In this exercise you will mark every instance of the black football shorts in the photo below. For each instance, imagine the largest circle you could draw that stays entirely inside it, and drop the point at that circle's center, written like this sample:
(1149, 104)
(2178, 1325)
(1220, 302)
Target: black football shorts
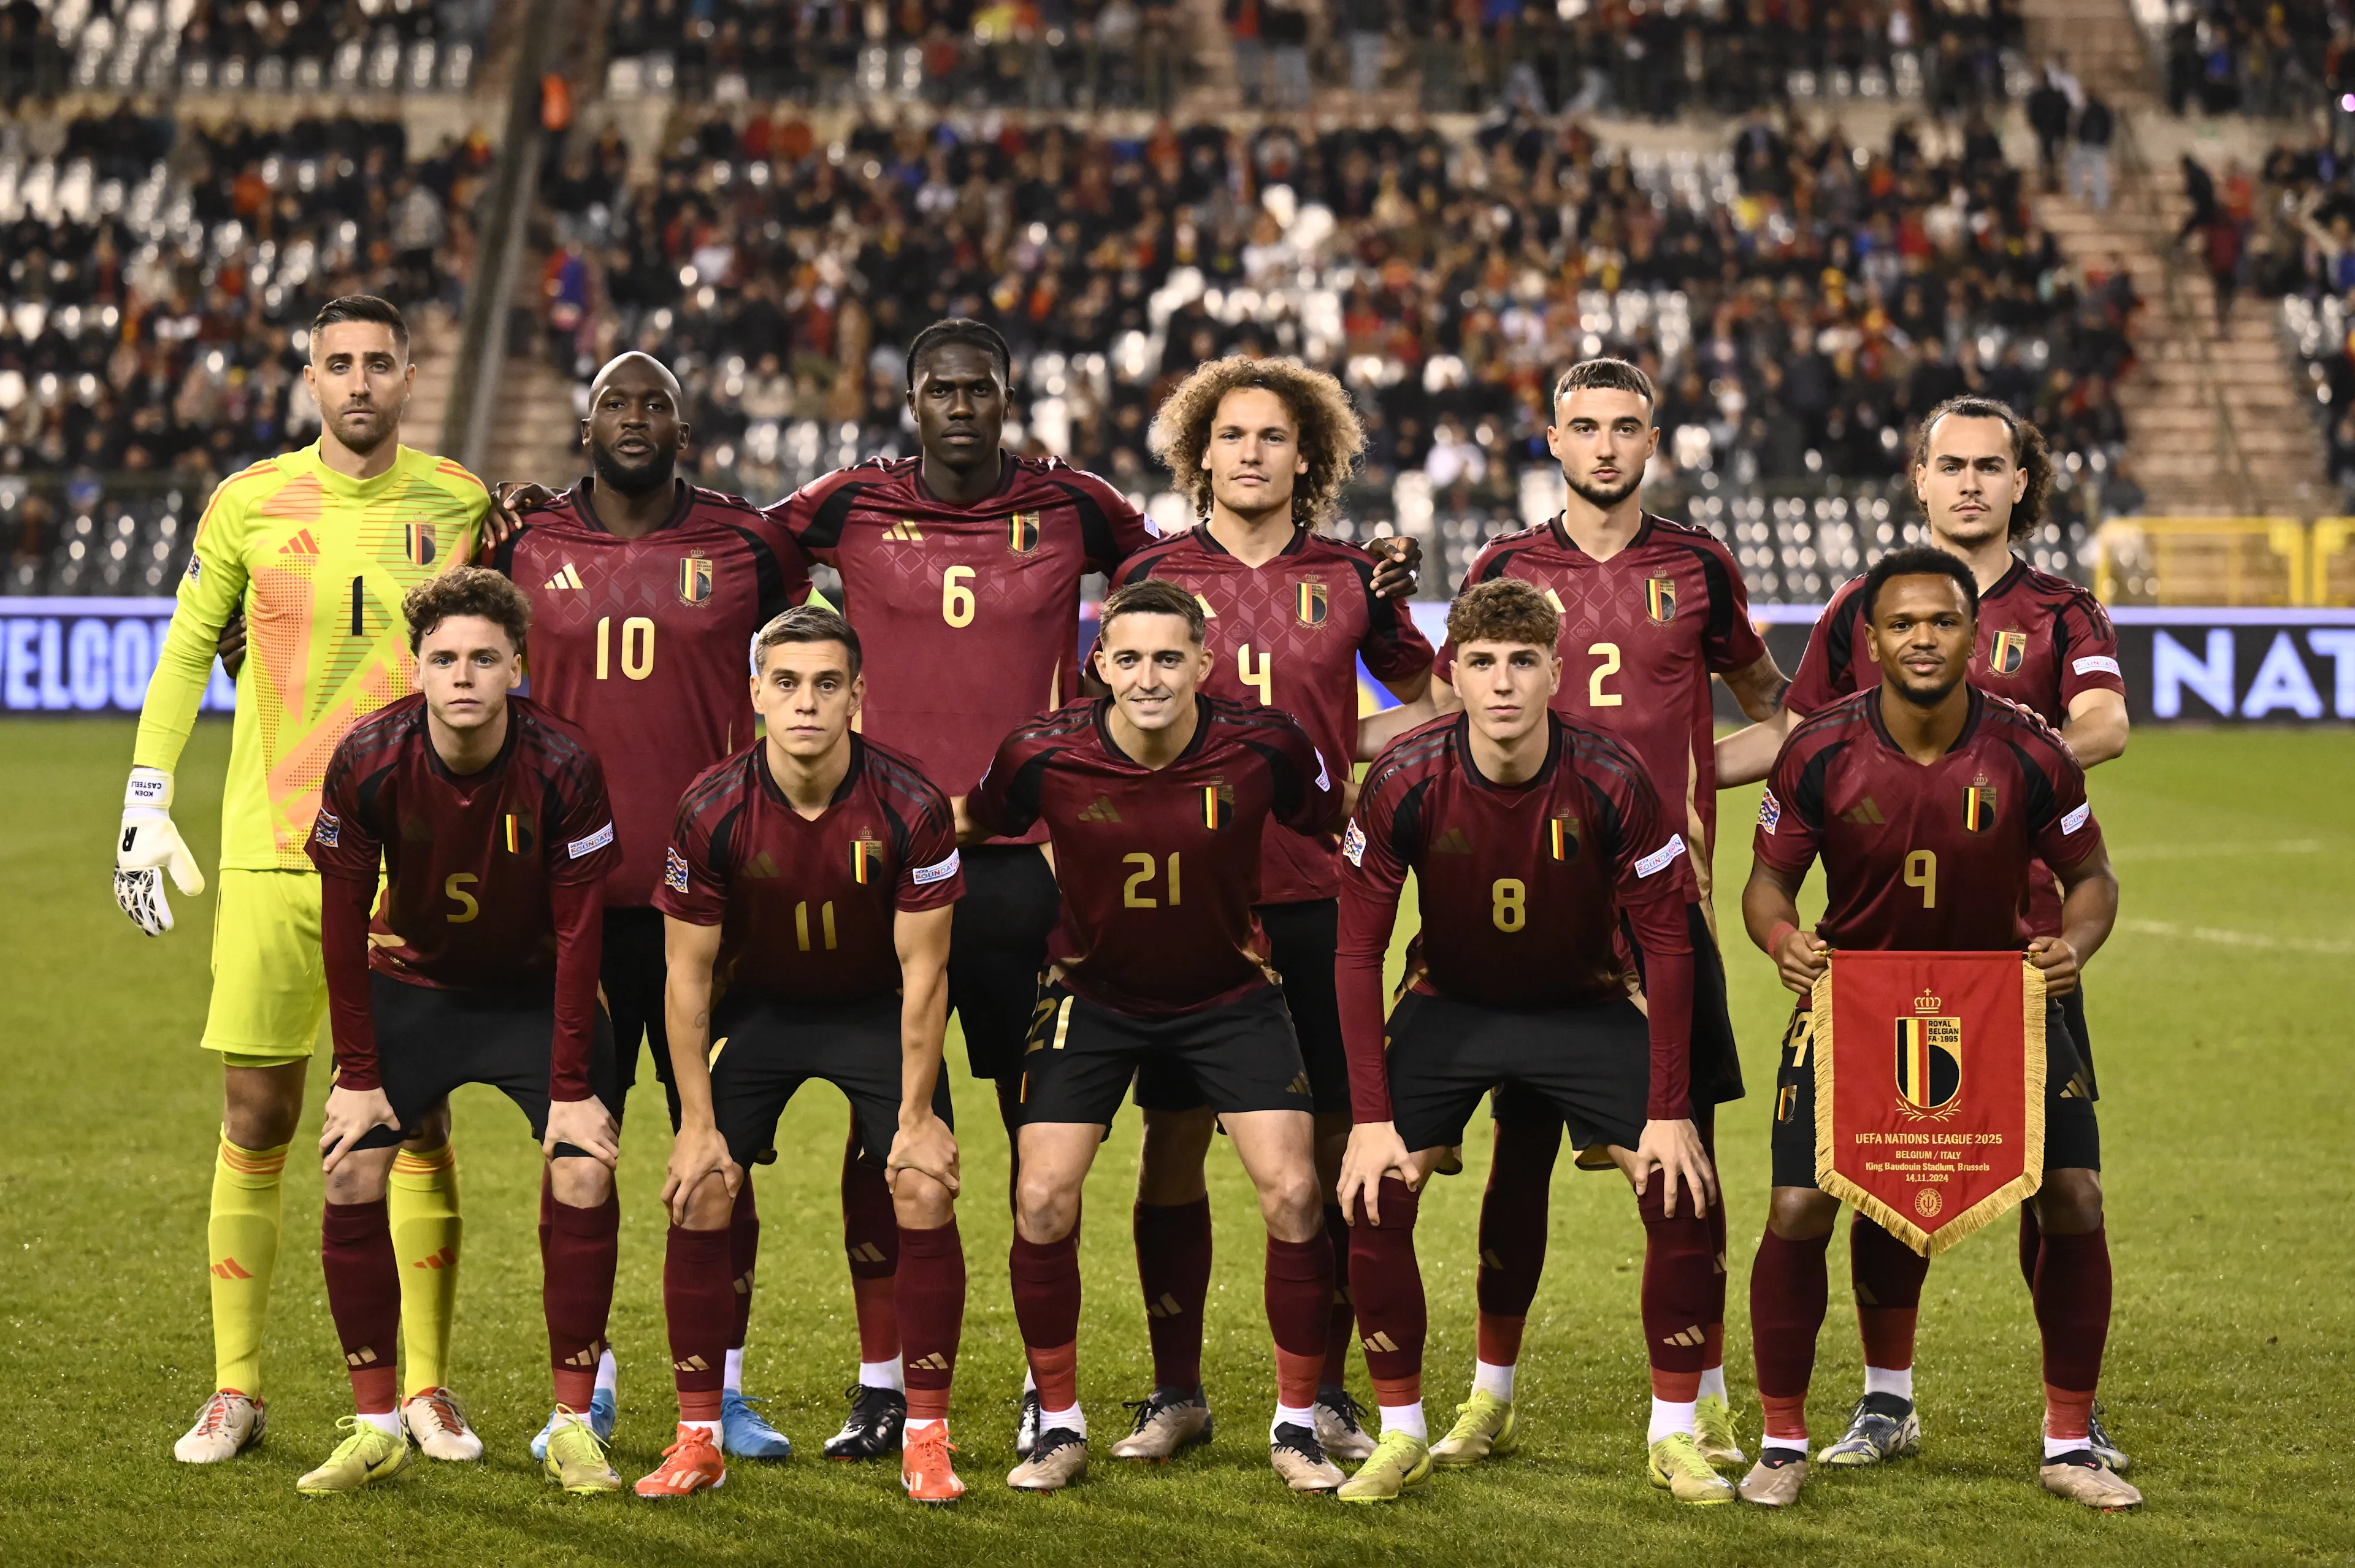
(1716, 1058)
(430, 1041)
(1302, 941)
(1081, 1056)
(2072, 1135)
(1591, 1066)
(632, 975)
(762, 1050)
(997, 945)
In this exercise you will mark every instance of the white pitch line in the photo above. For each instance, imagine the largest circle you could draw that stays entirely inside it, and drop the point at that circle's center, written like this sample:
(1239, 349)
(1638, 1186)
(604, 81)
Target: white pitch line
(2207, 851)
(2222, 938)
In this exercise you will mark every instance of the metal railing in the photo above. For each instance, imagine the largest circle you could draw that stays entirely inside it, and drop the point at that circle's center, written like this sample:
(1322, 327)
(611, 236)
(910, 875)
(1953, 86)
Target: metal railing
(2257, 561)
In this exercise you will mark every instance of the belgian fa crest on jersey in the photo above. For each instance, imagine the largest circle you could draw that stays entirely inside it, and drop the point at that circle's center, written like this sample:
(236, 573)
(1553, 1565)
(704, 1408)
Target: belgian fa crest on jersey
(1310, 603)
(1929, 1061)
(2006, 653)
(1561, 837)
(1661, 599)
(417, 543)
(515, 834)
(1978, 807)
(1022, 532)
(866, 858)
(1218, 804)
(695, 578)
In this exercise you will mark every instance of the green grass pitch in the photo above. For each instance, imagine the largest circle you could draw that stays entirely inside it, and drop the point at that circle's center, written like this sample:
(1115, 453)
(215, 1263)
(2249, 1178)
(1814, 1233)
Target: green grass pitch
(2220, 1014)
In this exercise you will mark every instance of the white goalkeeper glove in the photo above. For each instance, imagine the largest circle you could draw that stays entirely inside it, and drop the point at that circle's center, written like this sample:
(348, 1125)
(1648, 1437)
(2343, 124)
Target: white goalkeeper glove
(147, 846)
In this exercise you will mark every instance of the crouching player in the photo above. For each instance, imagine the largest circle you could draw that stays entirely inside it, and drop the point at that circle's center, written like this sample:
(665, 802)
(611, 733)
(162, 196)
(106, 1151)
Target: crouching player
(1155, 799)
(489, 818)
(1534, 842)
(806, 899)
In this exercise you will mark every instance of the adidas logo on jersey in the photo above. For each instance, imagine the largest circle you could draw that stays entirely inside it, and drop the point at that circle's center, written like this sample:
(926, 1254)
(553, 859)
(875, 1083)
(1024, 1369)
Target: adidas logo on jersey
(1207, 613)
(1864, 814)
(301, 544)
(568, 578)
(760, 866)
(1452, 842)
(1101, 810)
(904, 531)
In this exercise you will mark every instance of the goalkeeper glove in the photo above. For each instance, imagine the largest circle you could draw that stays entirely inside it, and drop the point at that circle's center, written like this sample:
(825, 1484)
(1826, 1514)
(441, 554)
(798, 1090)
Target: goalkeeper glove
(147, 846)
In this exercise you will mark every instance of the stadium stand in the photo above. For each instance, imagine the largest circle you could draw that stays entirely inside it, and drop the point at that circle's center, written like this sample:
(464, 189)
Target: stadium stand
(158, 278)
(231, 46)
(1794, 294)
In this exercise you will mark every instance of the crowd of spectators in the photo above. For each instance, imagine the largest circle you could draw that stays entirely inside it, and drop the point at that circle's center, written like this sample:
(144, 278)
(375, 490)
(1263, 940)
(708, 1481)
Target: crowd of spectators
(1460, 55)
(156, 276)
(2273, 58)
(2299, 212)
(1799, 299)
(301, 45)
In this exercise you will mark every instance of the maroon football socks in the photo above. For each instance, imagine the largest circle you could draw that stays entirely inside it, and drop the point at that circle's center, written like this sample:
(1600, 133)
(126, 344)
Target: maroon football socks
(364, 1298)
(699, 1305)
(1173, 1266)
(930, 1315)
(577, 1292)
(1393, 1318)
(1789, 1290)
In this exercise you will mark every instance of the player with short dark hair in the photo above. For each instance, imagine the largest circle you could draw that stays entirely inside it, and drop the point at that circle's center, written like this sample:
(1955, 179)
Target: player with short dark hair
(811, 878)
(1264, 447)
(1651, 610)
(1929, 803)
(317, 546)
(646, 591)
(486, 815)
(1536, 845)
(1156, 799)
(1980, 472)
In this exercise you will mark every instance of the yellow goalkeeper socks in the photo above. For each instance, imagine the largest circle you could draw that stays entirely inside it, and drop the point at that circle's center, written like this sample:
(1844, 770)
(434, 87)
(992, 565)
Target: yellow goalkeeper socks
(421, 1202)
(243, 1238)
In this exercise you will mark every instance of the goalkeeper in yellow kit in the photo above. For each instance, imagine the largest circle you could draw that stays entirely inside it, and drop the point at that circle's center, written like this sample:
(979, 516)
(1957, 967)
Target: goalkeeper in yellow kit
(317, 547)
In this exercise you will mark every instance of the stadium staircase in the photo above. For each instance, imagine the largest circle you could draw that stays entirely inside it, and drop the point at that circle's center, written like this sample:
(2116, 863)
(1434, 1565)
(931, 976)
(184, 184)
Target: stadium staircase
(2217, 425)
(433, 349)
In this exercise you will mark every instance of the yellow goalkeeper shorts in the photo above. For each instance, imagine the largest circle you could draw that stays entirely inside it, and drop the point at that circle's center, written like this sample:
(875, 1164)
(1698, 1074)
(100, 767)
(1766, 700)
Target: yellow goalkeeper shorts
(270, 986)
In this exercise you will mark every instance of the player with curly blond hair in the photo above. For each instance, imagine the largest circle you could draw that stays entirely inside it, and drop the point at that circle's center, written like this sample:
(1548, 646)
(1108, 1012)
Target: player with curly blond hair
(1327, 444)
(1263, 447)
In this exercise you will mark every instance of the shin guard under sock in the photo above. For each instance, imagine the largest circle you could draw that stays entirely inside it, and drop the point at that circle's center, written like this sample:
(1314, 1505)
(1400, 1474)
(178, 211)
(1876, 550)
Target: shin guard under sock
(1789, 1288)
(1679, 1258)
(698, 1305)
(1393, 1318)
(931, 1286)
(421, 1201)
(364, 1298)
(576, 1292)
(241, 1244)
(1173, 1266)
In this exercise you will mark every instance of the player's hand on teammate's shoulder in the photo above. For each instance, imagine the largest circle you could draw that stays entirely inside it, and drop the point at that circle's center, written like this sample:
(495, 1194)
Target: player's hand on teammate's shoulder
(1799, 959)
(2058, 960)
(697, 1153)
(351, 1116)
(924, 1143)
(1401, 564)
(587, 1125)
(1375, 1151)
(1675, 1149)
(230, 644)
(510, 499)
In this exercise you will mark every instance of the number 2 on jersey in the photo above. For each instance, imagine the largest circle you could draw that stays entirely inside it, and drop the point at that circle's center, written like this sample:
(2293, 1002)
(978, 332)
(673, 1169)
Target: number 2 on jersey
(1595, 696)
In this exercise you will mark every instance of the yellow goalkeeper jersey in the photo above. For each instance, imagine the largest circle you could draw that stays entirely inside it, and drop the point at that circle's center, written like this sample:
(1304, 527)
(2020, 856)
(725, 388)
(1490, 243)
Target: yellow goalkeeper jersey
(320, 562)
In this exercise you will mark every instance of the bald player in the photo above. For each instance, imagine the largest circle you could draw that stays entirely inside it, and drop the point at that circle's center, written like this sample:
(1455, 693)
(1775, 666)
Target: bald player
(645, 593)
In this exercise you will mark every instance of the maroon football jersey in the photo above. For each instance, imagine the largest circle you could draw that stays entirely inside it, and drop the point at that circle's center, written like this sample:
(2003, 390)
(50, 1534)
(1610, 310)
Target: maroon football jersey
(2043, 640)
(1288, 634)
(643, 643)
(1641, 635)
(1924, 858)
(1159, 867)
(467, 861)
(1519, 886)
(806, 908)
(969, 614)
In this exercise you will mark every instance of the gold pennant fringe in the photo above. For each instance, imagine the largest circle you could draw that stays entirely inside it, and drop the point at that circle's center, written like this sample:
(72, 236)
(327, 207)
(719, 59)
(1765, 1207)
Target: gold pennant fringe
(1988, 1210)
